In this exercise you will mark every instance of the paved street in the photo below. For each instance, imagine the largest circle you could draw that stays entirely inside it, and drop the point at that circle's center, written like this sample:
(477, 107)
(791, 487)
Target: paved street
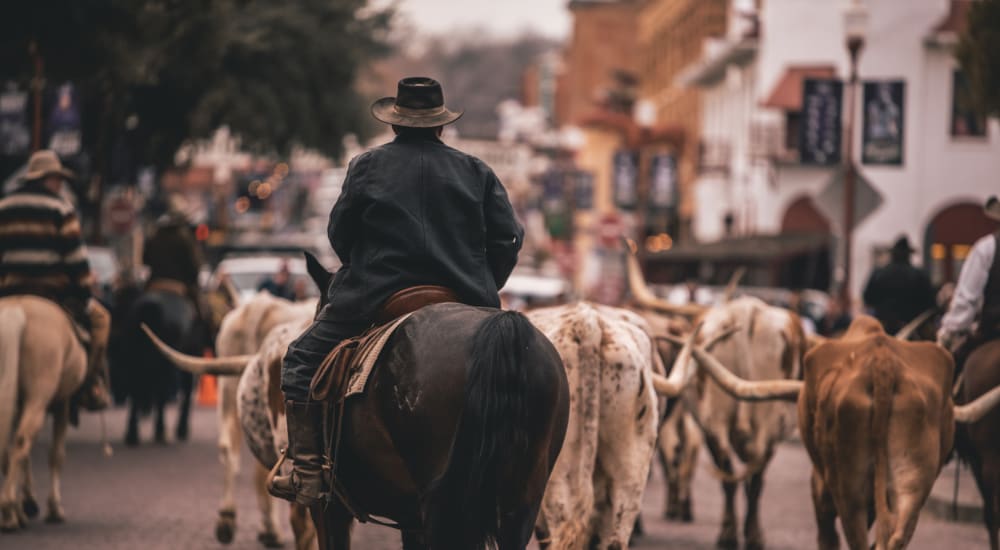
(165, 498)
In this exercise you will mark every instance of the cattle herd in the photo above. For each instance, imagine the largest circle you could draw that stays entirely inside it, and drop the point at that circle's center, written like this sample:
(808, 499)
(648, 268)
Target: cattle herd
(875, 412)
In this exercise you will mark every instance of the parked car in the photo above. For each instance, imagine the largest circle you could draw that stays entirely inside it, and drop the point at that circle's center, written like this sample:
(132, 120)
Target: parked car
(248, 272)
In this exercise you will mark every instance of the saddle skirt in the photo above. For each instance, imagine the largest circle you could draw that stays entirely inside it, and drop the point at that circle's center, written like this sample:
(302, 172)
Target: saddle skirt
(346, 370)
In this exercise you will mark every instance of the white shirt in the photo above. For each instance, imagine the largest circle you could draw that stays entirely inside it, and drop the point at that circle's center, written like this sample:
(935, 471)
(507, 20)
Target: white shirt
(968, 298)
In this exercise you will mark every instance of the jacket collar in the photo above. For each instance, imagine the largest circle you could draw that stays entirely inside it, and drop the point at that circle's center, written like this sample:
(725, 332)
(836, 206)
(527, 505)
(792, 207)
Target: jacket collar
(413, 138)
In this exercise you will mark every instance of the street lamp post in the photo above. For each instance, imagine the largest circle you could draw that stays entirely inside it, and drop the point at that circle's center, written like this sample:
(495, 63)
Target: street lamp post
(855, 28)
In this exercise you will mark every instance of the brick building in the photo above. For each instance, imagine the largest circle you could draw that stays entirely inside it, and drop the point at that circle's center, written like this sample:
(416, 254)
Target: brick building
(671, 33)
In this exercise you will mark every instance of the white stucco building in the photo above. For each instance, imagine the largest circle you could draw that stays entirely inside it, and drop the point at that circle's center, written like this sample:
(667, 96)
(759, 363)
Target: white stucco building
(751, 182)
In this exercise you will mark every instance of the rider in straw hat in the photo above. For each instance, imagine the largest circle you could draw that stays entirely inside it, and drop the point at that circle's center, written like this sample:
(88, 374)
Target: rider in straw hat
(42, 253)
(977, 292)
(412, 212)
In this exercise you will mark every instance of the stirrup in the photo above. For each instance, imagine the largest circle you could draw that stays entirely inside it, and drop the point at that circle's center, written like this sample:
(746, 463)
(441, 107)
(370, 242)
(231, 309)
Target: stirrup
(269, 482)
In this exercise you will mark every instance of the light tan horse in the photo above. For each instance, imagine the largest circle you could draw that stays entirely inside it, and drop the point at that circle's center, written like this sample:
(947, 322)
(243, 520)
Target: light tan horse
(42, 364)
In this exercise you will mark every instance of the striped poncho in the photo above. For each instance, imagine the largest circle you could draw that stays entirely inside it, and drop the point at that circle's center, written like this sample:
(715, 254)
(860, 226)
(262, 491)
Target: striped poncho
(41, 247)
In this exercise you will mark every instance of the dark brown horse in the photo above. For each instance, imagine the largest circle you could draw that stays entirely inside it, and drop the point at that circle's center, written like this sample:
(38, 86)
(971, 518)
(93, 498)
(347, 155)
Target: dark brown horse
(979, 442)
(457, 432)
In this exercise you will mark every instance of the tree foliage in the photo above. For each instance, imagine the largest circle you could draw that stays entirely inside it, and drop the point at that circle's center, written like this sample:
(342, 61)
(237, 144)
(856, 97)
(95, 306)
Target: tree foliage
(978, 53)
(279, 74)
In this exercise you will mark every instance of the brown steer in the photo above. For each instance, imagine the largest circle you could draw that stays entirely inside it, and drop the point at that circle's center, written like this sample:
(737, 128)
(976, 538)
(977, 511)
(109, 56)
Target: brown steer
(876, 415)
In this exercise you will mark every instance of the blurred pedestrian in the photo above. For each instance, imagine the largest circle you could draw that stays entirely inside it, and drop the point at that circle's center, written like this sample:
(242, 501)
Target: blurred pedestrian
(977, 294)
(280, 284)
(42, 254)
(412, 212)
(898, 292)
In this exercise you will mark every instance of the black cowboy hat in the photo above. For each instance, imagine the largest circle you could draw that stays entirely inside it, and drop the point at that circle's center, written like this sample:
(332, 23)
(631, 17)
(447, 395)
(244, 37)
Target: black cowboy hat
(902, 246)
(419, 103)
(992, 208)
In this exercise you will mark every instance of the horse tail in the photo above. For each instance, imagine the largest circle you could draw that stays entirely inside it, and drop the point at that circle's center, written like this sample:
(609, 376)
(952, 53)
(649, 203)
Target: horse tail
(491, 447)
(12, 323)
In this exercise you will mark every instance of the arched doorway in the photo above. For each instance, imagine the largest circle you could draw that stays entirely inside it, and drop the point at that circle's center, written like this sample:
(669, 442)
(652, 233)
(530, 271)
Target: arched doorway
(808, 267)
(802, 216)
(950, 235)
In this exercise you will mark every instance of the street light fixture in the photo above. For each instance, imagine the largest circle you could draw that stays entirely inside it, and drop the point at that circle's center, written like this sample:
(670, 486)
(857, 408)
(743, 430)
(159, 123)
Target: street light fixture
(855, 30)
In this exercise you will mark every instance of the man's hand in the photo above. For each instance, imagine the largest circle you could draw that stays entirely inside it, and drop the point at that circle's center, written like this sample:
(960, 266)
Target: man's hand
(951, 340)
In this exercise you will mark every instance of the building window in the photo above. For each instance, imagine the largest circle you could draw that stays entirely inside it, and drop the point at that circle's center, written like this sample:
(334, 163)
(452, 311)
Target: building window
(965, 121)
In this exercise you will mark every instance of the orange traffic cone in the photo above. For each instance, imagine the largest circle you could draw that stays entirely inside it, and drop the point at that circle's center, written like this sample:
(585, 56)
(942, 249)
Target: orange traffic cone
(207, 395)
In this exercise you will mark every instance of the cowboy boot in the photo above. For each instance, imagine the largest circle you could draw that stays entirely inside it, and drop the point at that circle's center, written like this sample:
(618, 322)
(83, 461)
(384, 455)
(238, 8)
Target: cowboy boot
(306, 484)
(94, 394)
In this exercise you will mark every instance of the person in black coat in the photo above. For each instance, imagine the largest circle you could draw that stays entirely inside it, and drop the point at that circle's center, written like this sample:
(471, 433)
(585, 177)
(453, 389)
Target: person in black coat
(411, 212)
(898, 292)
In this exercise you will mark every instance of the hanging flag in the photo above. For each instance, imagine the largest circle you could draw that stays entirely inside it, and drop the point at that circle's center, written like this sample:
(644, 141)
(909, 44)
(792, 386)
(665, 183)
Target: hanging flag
(663, 182)
(64, 122)
(15, 136)
(625, 179)
(884, 111)
(820, 137)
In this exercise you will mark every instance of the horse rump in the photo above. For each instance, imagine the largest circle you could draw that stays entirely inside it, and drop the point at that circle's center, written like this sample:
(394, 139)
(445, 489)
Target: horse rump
(509, 403)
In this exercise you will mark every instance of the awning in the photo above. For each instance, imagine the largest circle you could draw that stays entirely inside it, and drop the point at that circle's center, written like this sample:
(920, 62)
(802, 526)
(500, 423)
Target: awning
(755, 249)
(787, 94)
(946, 32)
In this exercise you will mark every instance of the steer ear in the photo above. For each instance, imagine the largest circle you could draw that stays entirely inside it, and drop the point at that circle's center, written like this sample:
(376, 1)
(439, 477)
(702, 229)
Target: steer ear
(320, 275)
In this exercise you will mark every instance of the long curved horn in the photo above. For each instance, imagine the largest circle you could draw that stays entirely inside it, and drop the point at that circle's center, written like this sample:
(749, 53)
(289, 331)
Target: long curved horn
(646, 298)
(734, 283)
(746, 390)
(972, 412)
(230, 289)
(918, 321)
(680, 373)
(220, 366)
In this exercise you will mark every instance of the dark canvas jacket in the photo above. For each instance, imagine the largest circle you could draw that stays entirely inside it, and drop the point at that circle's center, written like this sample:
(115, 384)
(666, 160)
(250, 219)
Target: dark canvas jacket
(172, 253)
(416, 212)
(898, 293)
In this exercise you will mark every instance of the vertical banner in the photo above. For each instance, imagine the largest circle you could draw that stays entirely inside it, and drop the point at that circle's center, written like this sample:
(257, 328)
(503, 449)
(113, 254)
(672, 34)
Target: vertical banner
(15, 136)
(64, 122)
(882, 136)
(663, 182)
(822, 102)
(625, 179)
(583, 190)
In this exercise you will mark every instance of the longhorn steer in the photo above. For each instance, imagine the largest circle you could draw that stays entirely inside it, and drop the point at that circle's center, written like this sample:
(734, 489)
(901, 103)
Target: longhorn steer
(595, 491)
(876, 416)
(241, 336)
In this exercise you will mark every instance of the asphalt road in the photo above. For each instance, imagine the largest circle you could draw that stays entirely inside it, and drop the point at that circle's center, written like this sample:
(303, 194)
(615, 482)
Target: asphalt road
(164, 497)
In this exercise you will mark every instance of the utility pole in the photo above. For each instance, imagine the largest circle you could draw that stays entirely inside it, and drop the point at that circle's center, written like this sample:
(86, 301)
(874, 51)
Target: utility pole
(37, 84)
